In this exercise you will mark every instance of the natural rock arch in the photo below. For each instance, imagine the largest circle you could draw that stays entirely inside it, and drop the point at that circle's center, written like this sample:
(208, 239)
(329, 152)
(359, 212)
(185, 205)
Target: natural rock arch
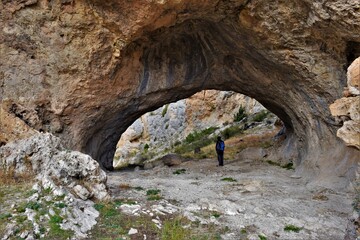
(92, 68)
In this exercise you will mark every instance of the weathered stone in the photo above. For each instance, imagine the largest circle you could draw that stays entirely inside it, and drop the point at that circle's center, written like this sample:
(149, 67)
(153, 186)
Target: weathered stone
(348, 109)
(252, 153)
(350, 133)
(97, 66)
(341, 107)
(55, 166)
(81, 192)
(133, 231)
(173, 159)
(353, 76)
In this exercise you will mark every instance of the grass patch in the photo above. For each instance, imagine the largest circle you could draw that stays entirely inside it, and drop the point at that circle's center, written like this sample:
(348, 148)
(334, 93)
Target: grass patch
(260, 116)
(60, 205)
(5, 216)
(154, 197)
(292, 228)
(262, 237)
(139, 188)
(152, 192)
(174, 230)
(55, 231)
(179, 171)
(119, 202)
(116, 225)
(99, 206)
(33, 205)
(228, 179)
(8, 176)
(20, 219)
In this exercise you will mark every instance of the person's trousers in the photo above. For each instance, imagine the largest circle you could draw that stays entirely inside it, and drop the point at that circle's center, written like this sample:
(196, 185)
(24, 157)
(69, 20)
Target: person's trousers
(220, 155)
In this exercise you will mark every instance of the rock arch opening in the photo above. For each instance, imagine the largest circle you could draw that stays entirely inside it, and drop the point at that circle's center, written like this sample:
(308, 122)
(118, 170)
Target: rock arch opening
(89, 72)
(188, 128)
(175, 62)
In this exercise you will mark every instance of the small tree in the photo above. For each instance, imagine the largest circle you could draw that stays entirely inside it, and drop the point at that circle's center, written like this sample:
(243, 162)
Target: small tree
(240, 115)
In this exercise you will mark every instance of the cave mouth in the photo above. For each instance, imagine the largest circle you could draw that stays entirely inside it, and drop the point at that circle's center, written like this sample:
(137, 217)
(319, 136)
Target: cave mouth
(177, 62)
(188, 128)
(173, 63)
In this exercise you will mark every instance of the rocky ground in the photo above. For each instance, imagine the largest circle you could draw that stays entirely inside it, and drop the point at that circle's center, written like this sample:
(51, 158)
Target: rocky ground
(246, 199)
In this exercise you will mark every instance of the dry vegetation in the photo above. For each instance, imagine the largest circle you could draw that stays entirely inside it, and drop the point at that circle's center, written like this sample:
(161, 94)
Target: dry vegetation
(10, 177)
(237, 143)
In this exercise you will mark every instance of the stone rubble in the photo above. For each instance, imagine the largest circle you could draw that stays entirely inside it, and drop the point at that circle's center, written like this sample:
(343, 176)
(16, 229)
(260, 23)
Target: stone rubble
(72, 175)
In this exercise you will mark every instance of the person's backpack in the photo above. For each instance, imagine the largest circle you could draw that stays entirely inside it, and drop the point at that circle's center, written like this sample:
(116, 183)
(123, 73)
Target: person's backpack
(220, 146)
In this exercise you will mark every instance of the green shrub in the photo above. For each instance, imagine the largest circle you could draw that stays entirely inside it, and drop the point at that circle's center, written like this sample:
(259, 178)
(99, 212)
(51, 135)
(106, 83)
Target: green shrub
(192, 137)
(5, 216)
(165, 110)
(154, 197)
(231, 131)
(262, 237)
(195, 140)
(292, 228)
(146, 147)
(55, 219)
(228, 179)
(288, 166)
(139, 188)
(260, 116)
(240, 115)
(99, 206)
(152, 192)
(179, 171)
(216, 215)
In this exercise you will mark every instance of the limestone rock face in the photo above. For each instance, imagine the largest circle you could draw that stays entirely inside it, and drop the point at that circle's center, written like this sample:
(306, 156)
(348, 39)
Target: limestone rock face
(347, 109)
(56, 167)
(85, 70)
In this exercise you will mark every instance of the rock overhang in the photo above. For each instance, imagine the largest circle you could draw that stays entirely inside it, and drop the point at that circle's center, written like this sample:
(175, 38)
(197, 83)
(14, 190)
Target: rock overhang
(93, 67)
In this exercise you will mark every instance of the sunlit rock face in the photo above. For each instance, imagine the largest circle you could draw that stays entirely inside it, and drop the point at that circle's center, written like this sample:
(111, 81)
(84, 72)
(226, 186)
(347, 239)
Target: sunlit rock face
(85, 70)
(170, 124)
(346, 110)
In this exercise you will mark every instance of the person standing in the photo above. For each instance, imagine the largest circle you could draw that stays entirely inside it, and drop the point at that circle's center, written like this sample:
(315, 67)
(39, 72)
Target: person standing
(220, 148)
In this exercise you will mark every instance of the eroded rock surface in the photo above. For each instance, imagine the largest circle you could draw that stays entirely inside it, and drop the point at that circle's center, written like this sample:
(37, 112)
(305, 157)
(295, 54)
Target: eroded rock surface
(87, 69)
(56, 167)
(72, 177)
(347, 109)
(261, 199)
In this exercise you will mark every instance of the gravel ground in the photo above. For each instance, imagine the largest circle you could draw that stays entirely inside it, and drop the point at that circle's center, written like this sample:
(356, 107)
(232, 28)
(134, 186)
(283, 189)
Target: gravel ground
(263, 200)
